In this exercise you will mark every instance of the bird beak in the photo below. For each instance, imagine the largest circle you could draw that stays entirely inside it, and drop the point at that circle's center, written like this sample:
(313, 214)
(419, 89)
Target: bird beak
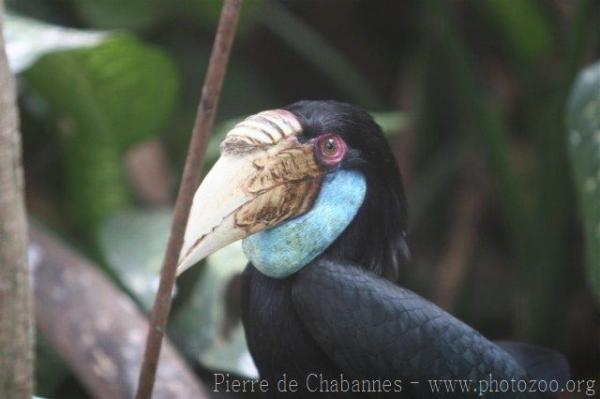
(263, 177)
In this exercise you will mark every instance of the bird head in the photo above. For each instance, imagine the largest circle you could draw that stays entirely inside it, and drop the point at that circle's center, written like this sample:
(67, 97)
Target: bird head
(295, 183)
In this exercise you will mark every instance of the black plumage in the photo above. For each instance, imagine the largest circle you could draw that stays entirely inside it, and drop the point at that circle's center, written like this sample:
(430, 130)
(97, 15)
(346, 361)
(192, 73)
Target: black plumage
(343, 313)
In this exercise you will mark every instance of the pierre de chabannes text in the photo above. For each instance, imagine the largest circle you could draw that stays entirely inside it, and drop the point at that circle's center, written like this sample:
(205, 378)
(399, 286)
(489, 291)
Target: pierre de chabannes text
(315, 382)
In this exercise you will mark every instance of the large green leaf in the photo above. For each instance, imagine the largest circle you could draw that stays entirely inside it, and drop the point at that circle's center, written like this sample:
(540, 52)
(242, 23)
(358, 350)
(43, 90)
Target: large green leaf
(129, 84)
(584, 147)
(104, 99)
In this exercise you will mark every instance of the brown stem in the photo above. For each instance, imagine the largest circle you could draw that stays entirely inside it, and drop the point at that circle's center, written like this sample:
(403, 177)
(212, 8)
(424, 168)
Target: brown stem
(97, 329)
(204, 119)
(16, 336)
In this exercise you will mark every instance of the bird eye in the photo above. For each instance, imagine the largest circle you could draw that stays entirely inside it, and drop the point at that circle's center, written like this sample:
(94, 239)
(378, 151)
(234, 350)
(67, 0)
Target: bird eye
(330, 146)
(331, 149)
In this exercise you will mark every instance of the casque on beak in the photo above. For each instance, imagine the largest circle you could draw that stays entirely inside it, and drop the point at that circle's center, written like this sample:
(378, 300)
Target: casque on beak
(263, 177)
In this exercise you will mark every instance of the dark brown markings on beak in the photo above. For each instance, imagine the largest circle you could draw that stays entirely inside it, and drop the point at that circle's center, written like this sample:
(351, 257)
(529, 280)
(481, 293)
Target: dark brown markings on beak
(286, 185)
(278, 204)
(294, 162)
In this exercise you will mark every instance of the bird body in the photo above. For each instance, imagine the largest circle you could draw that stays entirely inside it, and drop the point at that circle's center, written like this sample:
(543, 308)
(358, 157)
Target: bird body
(320, 206)
(335, 320)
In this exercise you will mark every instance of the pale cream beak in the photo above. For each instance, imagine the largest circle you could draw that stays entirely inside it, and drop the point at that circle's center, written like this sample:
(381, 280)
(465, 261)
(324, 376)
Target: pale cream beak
(263, 177)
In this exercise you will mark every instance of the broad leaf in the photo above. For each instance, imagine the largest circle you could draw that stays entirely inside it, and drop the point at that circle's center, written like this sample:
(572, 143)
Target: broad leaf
(584, 148)
(130, 85)
(104, 99)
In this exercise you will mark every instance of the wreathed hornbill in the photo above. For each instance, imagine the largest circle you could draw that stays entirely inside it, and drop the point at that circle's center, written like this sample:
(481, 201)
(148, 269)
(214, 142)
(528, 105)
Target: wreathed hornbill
(314, 192)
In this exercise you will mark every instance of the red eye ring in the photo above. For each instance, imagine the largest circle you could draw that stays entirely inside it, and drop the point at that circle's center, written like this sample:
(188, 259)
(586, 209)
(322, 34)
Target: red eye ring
(331, 149)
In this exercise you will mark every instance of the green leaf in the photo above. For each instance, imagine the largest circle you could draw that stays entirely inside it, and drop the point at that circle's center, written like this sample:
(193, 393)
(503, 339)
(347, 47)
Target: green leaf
(584, 148)
(208, 330)
(130, 85)
(104, 99)
(27, 40)
(133, 244)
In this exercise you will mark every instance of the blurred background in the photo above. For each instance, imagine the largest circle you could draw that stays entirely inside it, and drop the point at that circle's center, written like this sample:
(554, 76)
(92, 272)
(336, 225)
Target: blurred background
(473, 97)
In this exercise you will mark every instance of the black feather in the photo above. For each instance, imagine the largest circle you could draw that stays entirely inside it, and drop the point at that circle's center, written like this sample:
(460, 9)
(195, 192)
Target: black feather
(371, 327)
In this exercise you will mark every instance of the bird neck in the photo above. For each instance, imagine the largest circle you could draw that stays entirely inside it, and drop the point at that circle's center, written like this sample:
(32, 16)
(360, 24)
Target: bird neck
(283, 250)
(375, 239)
